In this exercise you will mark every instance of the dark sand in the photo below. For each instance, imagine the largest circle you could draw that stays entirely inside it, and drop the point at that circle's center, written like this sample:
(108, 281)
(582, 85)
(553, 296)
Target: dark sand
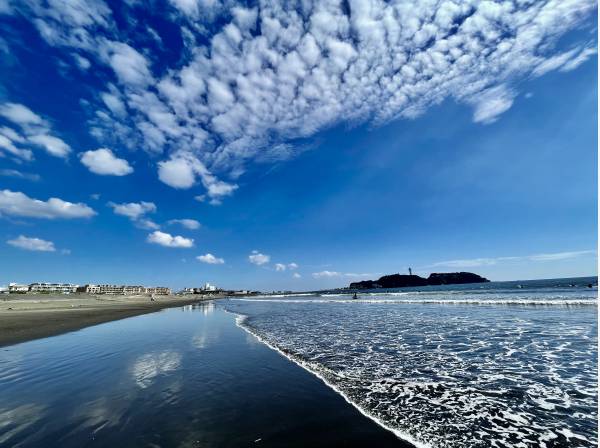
(30, 316)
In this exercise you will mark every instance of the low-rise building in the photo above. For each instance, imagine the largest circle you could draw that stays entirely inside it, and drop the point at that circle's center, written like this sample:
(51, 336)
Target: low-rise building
(161, 290)
(60, 288)
(18, 288)
(123, 289)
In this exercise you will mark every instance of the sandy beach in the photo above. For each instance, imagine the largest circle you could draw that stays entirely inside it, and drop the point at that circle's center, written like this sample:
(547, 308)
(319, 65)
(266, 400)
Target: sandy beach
(31, 316)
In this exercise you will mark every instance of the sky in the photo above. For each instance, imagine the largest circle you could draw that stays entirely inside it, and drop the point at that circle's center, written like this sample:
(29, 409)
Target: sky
(305, 145)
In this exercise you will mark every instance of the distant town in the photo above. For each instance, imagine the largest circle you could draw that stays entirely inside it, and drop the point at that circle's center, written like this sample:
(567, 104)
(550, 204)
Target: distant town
(70, 288)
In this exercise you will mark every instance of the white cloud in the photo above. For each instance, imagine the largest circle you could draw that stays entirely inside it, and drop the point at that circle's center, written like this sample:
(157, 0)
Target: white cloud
(296, 275)
(477, 262)
(21, 115)
(491, 103)
(282, 267)
(130, 66)
(180, 172)
(210, 259)
(560, 255)
(258, 259)
(36, 130)
(33, 244)
(133, 210)
(102, 161)
(191, 224)
(576, 61)
(331, 274)
(244, 92)
(19, 174)
(326, 274)
(53, 145)
(177, 173)
(15, 203)
(168, 240)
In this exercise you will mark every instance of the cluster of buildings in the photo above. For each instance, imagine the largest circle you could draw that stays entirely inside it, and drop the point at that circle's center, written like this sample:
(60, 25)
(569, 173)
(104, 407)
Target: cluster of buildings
(68, 288)
(206, 289)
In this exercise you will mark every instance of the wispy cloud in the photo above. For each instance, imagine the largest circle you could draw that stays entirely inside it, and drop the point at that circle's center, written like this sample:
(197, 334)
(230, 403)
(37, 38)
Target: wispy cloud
(32, 244)
(136, 212)
(191, 224)
(33, 131)
(20, 174)
(477, 262)
(330, 274)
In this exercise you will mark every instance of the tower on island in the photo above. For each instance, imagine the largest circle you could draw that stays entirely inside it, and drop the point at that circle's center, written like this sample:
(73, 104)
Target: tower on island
(409, 271)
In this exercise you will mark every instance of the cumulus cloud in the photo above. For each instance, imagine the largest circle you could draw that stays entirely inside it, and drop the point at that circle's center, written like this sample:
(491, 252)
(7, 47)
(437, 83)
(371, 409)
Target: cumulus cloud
(168, 240)
(258, 259)
(191, 224)
(282, 267)
(181, 172)
(15, 203)
(268, 75)
(102, 161)
(136, 212)
(34, 131)
(210, 259)
(33, 244)
(296, 275)
(133, 210)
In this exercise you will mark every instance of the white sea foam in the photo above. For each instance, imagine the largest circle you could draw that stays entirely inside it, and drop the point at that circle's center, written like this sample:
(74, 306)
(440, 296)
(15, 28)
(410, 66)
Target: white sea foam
(508, 301)
(448, 376)
(312, 368)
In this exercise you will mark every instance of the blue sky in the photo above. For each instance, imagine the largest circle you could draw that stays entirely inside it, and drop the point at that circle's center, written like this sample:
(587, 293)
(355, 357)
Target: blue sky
(256, 147)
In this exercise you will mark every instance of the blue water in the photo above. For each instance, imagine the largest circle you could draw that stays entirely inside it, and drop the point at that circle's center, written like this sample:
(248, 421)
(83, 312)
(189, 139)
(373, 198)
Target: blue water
(496, 365)
(186, 377)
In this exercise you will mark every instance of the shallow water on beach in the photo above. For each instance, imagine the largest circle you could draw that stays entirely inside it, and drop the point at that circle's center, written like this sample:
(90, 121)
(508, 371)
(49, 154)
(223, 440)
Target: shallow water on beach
(497, 365)
(183, 377)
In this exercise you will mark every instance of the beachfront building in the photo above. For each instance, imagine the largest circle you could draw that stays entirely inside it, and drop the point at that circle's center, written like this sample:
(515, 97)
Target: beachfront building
(209, 287)
(160, 290)
(18, 288)
(123, 289)
(58, 288)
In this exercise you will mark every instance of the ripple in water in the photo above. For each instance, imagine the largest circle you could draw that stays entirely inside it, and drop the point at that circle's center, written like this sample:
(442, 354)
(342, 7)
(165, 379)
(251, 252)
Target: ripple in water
(450, 375)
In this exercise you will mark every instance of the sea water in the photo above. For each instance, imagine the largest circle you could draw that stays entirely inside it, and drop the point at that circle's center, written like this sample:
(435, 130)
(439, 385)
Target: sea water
(494, 365)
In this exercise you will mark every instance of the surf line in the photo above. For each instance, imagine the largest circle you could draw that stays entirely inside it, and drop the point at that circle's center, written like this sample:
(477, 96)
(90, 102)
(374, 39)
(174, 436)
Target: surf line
(239, 321)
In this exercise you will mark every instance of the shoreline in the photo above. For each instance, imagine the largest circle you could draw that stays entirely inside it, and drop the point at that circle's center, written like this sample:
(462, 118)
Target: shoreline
(406, 438)
(28, 317)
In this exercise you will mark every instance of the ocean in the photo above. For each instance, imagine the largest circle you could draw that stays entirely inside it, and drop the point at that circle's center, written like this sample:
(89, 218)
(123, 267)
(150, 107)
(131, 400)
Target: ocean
(506, 364)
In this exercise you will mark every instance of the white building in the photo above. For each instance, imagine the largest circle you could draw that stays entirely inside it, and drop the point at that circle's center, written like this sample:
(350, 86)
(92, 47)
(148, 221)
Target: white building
(209, 287)
(161, 290)
(60, 288)
(16, 287)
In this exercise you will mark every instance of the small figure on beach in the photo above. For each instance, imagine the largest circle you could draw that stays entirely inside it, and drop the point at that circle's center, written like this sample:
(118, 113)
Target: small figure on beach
(354, 297)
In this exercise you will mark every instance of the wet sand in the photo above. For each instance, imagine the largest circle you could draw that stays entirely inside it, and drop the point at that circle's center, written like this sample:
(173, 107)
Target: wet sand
(32, 316)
